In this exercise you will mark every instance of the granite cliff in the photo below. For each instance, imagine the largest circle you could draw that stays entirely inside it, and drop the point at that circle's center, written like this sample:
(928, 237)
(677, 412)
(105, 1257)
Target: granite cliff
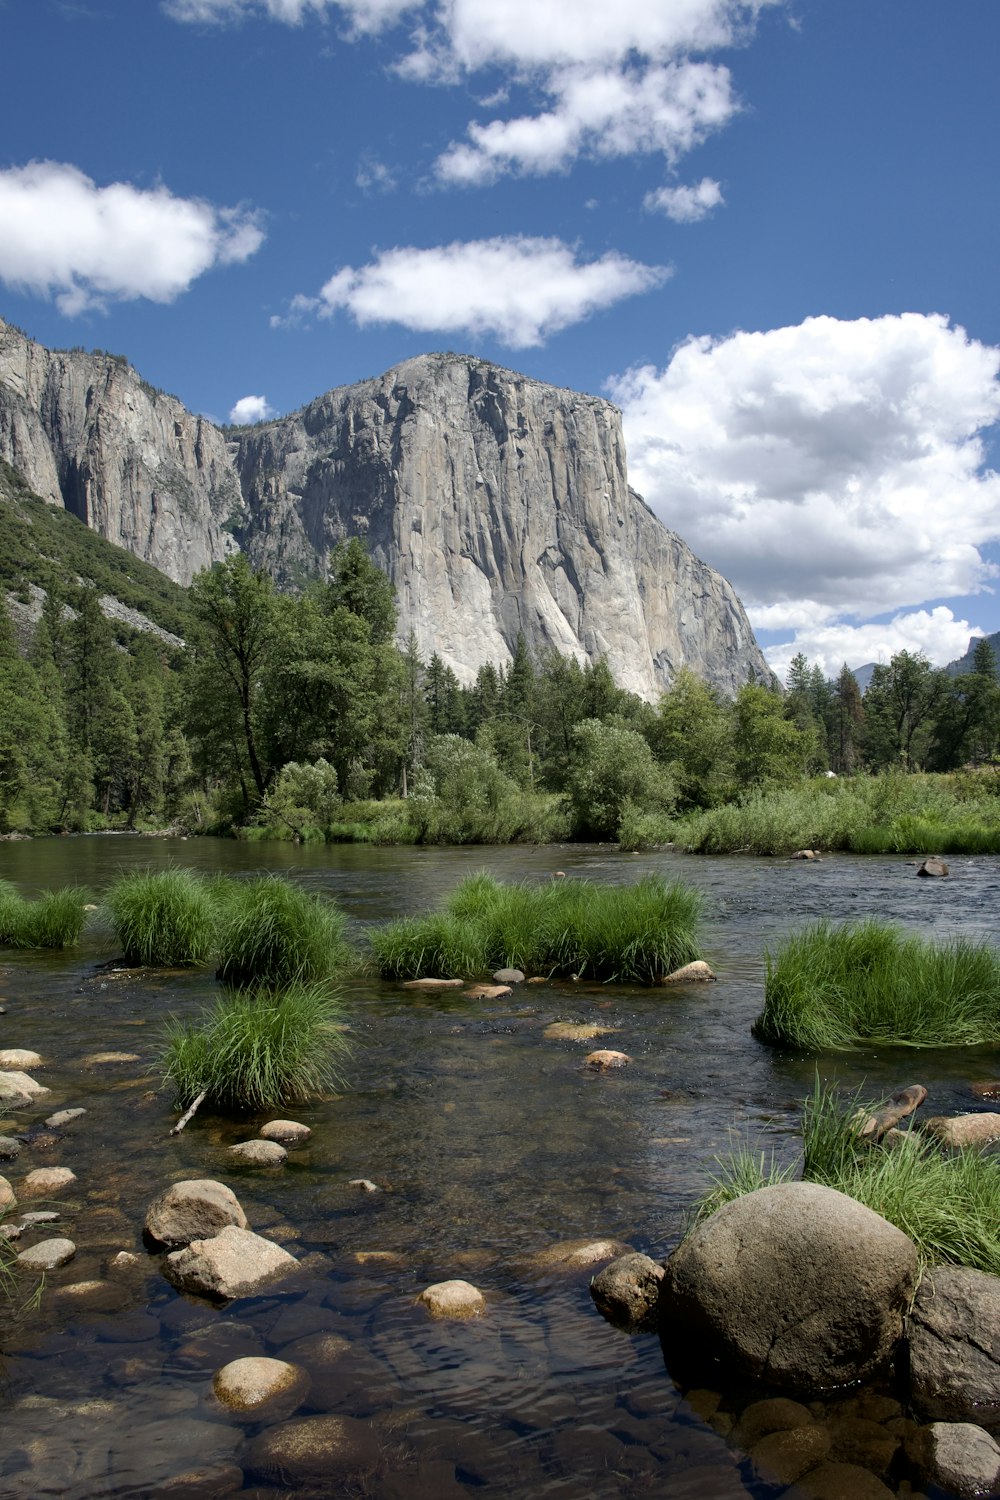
(496, 504)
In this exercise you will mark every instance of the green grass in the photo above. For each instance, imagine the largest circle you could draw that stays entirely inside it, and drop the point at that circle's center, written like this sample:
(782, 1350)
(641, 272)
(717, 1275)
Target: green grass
(629, 933)
(164, 918)
(274, 933)
(832, 988)
(256, 1049)
(54, 920)
(948, 1205)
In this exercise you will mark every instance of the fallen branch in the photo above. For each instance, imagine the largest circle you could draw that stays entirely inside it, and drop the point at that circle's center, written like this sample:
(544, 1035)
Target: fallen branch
(873, 1127)
(189, 1113)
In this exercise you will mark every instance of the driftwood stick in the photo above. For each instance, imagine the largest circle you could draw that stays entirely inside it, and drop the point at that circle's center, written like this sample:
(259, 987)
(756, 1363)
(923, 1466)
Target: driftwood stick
(873, 1127)
(189, 1113)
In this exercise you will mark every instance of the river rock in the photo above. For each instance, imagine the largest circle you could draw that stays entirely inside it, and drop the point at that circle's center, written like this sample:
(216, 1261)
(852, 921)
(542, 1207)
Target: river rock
(433, 984)
(41, 1216)
(47, 1255)
(63, 1117)
(773, 1414)
(574, 1031)
(842, 1482)
(508, 976)
(205, 1482)
(8, 1198)
(783, 1457)
(9, 1148)
(627, 1291)
(954, 1335)
(45, 1180)
(108, 1059)
(18, 1088)
(235, 1263)
(964, 1130)
(605, 1059)
(693, 973)
(453, 1299)
(19, 1057)
(577, 1255)
(289, 1131)
(933, 867)
(859, 1440)
(805, 854)
(311, 1450)
(258, 1153)
(796, 1285)
(959, 1457)
(364, 1185)
(195, 1209)
(487, 991)
(247, 1385)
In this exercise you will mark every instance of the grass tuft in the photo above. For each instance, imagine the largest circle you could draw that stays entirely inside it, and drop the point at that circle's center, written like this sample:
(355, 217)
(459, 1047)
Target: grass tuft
(166, 918)
(55, 920)
(274, 933)
(831, 988)
(255, 1049)
(632, 934)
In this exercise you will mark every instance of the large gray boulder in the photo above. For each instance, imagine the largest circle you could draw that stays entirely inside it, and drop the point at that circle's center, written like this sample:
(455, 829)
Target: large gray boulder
(960, 1457)
(194, 1209)
(954, 1333)
(235, 1263)
(796, 1285)
(627, 1291)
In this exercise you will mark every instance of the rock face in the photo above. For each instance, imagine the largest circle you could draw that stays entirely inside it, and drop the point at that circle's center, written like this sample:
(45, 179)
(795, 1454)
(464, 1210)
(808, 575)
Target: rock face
(954, 1334)
(495, 503)
(796, 1285)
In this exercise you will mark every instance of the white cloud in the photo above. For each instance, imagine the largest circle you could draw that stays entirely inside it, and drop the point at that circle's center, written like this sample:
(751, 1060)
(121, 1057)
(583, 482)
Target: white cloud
(373, 176)
(251, 409)
(517, 289)
(829, 469)
(598, 112)
(685, 205)
(364, 15)
(934, 632)
(61, 235)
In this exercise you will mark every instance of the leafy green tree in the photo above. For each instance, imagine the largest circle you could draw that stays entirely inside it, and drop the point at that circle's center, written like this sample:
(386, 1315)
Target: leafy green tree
(767, 747)
(692, 736)
(900, 706)
(612, 768)
(845, 723)
(443, 698)
(32, 740)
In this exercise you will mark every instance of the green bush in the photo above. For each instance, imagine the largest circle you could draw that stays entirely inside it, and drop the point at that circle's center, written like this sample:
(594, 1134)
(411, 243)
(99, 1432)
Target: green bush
(167, 917)
(256, 1049)
(835, 987)
(274, 933)
(612, 770)
(628, 933)
(54, 920)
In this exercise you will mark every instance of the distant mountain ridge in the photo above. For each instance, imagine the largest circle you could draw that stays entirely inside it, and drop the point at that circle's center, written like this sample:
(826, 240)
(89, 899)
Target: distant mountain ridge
(496, 504)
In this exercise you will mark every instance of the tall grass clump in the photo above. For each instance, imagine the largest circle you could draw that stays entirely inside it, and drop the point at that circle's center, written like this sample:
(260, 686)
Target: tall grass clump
(167, 917)
(834, 987)
(634, 933)
(274, 933)
(54, 920)
(948, 1205)
(255, 1049)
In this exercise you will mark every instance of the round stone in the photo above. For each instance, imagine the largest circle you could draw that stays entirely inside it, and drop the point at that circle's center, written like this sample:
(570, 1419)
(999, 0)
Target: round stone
(453, 1299)
(311, 1450)
(47, 1255)
(19, 1057)
(45, 1180)
(508, 976)
(605, 1059)
(288, 1131)
(574, 1031)
(8, 1200)
(258, 1153)
(195, 1209)
(248, 1384)
(9, 1147)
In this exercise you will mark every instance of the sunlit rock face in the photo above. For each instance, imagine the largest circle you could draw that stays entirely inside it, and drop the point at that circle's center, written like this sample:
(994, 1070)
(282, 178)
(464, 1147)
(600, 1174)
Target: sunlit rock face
(495, 503)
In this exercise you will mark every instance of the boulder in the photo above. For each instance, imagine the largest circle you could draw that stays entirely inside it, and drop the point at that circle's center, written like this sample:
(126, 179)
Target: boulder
(933, 867)
(19, 1057)
(627, 1291)
(964, 1130)
(954, 1334)
(453, 1299)
(256, 1383)
(959, 1457)
(773, 1414)
(46, 1180)
(194, 1209)
(19, 1088)
(311, 1450)
(8, 1198)
(605, 1059)
(235, 1263)
(796, 1285)
(258, 1153)
(693, 973)
(804, 854)
(288, 1131)
(47, 1255)
(9, 1148)
(508, 976)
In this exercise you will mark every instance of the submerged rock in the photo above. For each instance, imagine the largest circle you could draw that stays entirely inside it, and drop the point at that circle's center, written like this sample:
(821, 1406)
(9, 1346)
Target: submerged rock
(195, 1209)
(959, 1457)
(606, 1059)
(954, 1336)
(575, 1031)
(696, 972)
(247, 1385)
(576, 1255)
(9, 1148)
(47, 1255)
(108, 1059)
(365, 1185)
(311, 1450)
(797, 1285)
(626, 1292)
(433, 984)
(487, 991)
(453, 1299)
(258, 1153)
(45, 1180)
(63, 1117)
(235, 1263)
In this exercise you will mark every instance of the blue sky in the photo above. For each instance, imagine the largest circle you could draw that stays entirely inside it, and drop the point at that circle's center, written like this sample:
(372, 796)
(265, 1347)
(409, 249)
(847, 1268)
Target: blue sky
(768, 230)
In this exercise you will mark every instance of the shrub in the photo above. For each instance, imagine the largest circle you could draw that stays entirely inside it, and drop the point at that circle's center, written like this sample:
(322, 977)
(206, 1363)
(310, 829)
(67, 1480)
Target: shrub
(613, 769)
(630, 933)
(274, 933)
(255, 1049)
(166, 917)
(833, 987)
(54, 920)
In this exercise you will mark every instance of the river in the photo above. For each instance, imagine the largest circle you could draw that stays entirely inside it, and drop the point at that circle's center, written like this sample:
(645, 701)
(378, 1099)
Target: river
(488, 1142)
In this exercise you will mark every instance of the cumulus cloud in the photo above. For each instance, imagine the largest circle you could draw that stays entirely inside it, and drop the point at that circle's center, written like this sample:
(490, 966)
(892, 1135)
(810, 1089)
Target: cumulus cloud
(935, 632)
(830, 470)
(63, 236)
(685, 205)
(514, 288)
(364, 15)
(251, 409)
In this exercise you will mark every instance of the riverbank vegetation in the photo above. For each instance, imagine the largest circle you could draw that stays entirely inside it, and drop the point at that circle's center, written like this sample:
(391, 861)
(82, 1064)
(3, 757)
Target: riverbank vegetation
(948, 1204)
(164, 918)
(54, 920)
(300, 717)
(628, 933)
(831, 988)
(274, 933)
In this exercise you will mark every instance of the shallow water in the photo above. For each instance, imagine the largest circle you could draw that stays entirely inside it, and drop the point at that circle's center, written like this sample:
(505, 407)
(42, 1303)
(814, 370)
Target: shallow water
(488, 1141)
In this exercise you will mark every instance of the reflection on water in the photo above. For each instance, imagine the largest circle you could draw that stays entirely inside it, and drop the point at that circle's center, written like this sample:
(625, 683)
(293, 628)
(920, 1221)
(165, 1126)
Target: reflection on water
(488, 1142)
